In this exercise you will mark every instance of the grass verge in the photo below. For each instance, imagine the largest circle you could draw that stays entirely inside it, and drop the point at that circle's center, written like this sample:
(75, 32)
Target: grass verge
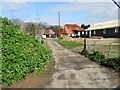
(69, 44)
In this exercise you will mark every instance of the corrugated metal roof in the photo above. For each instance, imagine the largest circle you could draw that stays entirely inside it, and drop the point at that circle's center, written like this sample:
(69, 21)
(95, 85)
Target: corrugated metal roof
(103, 25)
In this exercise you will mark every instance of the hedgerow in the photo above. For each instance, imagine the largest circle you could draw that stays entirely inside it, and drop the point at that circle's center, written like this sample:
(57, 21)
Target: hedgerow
(21, 53)
(100, 58)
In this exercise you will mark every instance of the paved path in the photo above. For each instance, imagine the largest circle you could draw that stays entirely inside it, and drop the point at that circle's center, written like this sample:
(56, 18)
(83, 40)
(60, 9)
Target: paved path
(75, 71)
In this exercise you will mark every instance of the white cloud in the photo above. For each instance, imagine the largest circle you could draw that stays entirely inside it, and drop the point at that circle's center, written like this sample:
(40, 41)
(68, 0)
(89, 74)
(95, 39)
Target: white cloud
(93, 8)
(14, 0)
(14, 5)
(99, 11)
(112, 12)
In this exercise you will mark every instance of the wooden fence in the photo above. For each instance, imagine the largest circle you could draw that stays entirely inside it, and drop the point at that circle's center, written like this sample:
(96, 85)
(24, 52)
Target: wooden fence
(108, 49)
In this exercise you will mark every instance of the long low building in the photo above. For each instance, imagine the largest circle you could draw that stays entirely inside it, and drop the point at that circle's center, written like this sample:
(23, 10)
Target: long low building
(108, 29)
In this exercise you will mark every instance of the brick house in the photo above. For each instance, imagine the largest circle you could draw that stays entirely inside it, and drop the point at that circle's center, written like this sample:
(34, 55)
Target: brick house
(72, 30)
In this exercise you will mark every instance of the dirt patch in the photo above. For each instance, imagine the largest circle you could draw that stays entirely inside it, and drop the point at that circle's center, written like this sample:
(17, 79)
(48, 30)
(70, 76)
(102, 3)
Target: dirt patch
(36, 80)
(72, 76)
(61, 77)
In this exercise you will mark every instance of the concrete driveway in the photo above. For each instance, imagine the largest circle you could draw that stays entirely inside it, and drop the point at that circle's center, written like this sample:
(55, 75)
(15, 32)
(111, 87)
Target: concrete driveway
(76, 71)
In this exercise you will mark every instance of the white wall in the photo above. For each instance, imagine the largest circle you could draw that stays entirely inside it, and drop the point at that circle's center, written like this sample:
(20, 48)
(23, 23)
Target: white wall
(43, 36)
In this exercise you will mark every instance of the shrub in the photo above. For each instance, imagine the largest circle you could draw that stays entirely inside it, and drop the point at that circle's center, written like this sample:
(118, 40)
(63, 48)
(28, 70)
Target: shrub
(99, 57)
(96, 56)
(112, 62)
(85, 53)
(21, 53)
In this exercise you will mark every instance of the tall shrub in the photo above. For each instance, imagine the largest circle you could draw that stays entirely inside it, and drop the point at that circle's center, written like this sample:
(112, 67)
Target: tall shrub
(21, 53)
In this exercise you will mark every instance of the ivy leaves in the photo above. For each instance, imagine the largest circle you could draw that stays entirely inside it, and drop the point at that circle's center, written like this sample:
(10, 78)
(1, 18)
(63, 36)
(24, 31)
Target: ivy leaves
(21, 54)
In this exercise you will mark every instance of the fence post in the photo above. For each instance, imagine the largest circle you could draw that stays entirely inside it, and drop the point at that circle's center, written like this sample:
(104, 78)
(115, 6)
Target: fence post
(109, 52)
(87, 47)
(84, 44)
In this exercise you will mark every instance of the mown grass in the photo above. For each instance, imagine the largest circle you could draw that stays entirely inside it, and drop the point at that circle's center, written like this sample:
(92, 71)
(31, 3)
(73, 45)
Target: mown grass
(69, 44)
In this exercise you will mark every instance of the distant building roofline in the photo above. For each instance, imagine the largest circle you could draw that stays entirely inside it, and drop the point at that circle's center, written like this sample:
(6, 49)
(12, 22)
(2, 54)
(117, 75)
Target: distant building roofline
(103, 25)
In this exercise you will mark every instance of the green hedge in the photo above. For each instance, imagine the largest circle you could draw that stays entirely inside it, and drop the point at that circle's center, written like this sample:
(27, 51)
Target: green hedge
(21, 53)
(99, 57)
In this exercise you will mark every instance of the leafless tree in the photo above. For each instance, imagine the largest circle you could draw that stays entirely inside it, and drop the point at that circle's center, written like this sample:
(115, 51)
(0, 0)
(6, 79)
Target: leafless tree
(30, 28)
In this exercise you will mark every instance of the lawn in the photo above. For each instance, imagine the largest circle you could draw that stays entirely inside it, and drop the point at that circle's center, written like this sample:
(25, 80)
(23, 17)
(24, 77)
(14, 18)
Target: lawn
(69, 44)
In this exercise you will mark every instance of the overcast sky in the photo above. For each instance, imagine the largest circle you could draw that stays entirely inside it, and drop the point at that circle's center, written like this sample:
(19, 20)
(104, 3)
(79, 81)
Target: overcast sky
(72, 11)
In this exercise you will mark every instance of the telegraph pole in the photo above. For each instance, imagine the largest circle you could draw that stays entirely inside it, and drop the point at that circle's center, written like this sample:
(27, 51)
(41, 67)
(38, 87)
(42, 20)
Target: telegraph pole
(59, 19)
(36, 27)
(59, 24)
(36, 24)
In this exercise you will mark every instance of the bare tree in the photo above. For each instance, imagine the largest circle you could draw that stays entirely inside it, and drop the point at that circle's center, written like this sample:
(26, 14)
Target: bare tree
(30, 28)
(41, 27)
(18, 22)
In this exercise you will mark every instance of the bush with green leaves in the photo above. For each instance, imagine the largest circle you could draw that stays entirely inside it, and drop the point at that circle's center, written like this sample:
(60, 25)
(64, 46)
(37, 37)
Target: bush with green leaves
(111, 62)
(85, 53)
(97, 56)
(21, 53)
(100, 58)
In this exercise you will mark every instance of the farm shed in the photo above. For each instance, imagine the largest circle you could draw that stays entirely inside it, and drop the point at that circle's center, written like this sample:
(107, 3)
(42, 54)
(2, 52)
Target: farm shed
(49, 33)
(109, 29)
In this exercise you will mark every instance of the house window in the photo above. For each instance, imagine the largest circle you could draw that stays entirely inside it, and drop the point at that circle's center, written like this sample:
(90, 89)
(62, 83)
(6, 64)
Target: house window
(94, 32)
(83, 32)
(90, 34)
(104, 31)
(116, 30)
(73, 35)
(78, 33)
